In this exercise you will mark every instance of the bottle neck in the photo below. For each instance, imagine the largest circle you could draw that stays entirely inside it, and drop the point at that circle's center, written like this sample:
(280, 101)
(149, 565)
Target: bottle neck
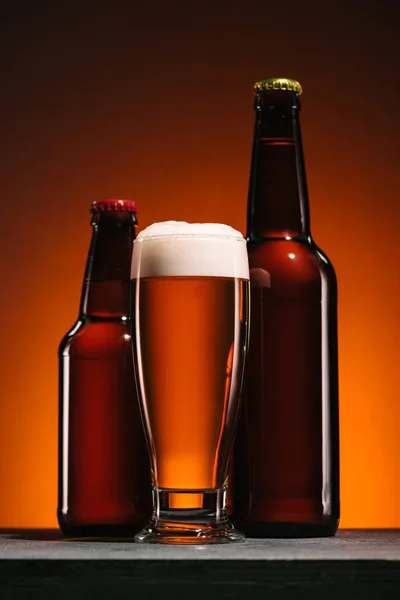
(105, 293)
(278, 199)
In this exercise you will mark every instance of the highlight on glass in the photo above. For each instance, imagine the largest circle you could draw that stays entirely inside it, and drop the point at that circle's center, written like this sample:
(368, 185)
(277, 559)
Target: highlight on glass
(190, 319)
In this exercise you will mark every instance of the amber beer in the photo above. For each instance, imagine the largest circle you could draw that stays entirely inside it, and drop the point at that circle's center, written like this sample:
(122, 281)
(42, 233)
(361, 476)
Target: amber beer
(286, 460)
(104, 483)
(190, 300)
(194, 319)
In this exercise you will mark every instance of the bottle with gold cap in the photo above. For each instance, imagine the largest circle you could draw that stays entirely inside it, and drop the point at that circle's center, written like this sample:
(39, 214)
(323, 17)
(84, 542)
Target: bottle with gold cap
(286, 461)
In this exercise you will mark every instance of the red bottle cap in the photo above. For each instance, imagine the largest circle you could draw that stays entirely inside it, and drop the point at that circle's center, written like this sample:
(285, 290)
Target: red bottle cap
(102, 205)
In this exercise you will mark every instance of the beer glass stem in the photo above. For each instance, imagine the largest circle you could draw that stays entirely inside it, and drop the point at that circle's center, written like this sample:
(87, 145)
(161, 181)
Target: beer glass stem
(188, 516)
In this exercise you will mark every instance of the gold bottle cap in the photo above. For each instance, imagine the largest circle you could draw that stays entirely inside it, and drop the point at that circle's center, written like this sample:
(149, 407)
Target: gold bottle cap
(278, 83)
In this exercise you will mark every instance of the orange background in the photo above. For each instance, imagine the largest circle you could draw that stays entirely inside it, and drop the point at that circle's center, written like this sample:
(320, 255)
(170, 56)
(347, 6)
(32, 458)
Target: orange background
(155, 103)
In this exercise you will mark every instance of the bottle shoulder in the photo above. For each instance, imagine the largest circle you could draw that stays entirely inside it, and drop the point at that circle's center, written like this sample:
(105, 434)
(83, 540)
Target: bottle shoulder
(94, 339)
(294, 252)
(70, 336)
(294, 263)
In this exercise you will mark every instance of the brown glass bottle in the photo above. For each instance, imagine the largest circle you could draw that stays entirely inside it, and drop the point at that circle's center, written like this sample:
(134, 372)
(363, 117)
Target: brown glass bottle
(286, 460)
(104, 474)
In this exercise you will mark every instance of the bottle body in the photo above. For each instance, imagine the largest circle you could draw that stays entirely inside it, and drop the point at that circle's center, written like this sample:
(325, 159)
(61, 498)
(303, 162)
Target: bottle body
(286, 455)
(104, 474)
(286, 459)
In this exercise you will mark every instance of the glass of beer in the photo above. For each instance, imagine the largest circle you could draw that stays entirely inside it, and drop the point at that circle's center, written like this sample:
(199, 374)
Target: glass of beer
(190, 319)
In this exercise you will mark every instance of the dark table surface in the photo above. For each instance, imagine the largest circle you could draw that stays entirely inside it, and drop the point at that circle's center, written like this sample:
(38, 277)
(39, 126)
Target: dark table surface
(354, 564)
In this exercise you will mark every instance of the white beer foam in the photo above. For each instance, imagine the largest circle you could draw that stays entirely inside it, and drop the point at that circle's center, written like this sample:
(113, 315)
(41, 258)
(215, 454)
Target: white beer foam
(177, 248)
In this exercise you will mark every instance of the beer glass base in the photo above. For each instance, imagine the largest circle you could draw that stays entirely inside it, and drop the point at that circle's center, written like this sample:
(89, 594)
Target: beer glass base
(189, 517)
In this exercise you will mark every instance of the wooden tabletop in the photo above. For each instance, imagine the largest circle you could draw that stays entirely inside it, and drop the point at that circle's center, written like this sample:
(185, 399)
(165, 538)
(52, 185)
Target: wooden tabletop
(357, 564)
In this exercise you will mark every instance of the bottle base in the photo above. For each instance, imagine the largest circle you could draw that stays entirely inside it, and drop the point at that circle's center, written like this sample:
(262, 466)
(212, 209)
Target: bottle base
(99, 531)
(287, 530)
(74, 529)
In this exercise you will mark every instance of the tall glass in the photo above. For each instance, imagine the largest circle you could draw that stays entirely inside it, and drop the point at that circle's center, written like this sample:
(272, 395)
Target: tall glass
(190, 316)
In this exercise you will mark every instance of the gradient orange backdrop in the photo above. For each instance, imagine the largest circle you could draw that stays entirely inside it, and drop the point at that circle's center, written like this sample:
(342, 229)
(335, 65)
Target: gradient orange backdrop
(155, 103)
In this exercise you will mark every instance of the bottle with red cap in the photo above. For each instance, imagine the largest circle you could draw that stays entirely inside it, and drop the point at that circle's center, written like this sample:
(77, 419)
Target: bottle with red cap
(104, 476)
